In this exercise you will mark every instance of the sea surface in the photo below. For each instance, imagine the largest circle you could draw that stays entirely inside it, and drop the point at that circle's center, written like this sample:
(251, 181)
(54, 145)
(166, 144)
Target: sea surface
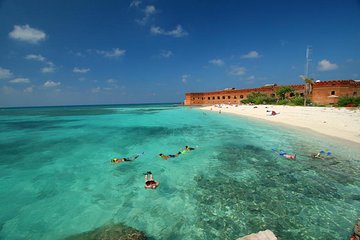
(56, 178)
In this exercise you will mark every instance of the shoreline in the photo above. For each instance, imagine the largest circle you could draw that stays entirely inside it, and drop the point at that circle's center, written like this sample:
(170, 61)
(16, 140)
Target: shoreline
(341, 123)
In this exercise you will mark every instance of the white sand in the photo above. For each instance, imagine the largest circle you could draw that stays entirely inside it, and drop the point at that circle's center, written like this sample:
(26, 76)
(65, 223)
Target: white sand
(338, 122)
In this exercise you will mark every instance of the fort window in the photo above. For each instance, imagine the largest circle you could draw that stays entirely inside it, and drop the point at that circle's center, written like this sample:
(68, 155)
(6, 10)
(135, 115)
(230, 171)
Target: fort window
(291, 94)
(234, 97)
(208, 98)
(213, 98)
(332, 92)
(193, 98)
(354, 93)
(273, 95)
(228, 97)
(223, 97)
(241, 96)
(202, 98)
(218, 97)
(302, 94)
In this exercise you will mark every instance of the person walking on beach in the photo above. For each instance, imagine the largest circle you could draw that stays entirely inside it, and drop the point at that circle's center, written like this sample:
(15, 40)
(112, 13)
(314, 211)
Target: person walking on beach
(149, 181)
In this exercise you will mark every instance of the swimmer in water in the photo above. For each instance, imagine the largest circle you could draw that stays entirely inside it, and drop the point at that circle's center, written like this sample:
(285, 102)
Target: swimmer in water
(169, 156)
(129, 159)
(149, 181)
(187, 148)
(290, 156)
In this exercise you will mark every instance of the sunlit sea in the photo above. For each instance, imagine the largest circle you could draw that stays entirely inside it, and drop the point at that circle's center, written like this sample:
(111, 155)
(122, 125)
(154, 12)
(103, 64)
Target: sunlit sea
(56, 178)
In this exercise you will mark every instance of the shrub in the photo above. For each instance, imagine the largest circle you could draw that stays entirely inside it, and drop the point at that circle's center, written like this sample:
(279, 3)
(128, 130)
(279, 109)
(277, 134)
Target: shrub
(348, 101)
(283, 102)
(259, 98)
(298, 101)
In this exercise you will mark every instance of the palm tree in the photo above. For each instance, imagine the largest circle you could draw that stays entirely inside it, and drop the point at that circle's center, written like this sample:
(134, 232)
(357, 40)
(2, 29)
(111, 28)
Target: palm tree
(308, 82)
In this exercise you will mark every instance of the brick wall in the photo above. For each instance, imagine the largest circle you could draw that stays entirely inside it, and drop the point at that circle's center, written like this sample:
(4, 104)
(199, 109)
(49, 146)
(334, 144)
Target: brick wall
(326, 92)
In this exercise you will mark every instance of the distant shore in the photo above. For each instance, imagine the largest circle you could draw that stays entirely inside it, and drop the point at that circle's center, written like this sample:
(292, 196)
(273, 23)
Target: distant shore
(336, 122)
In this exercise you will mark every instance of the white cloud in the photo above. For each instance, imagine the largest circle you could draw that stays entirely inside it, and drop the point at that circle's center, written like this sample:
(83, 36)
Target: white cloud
(115, 52)
(111, 81)
(177, 32)
(5, 73)
(81, 70)
(250, 78)
(48, 69)
(35, 57)
(326, 65)
(28, 90)
(135, 3)
(251, 54)
(148, 11)
(237, 70)
(156, 30)
(96, 90)
(184, 78)
(217, 62)
(27, 34)
(166, 53)
(50, 83)
(20, 80)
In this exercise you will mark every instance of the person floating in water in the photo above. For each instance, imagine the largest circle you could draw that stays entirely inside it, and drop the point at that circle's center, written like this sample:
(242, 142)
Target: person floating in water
(321, 155)
(290, 156)
(149, 181)
(356, 233)
(129, 159)
(169, 156)
(284, 154)
(187, 148)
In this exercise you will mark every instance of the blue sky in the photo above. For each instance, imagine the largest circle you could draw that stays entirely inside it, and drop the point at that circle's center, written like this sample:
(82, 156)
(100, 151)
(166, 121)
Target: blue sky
(100, 52)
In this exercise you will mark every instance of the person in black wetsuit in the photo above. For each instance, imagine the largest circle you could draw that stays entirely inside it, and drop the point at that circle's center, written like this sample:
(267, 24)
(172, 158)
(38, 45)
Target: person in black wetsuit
(187, 148)
(132, 158)
(169, 156)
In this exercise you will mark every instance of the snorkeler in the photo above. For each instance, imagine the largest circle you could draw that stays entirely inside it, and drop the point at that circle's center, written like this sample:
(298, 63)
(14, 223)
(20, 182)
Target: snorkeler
(187, 148)
(149, 181)
(290, 156)
(284, 154)
(129, 159)
(321, 155)
(356, 232)
(169, 156)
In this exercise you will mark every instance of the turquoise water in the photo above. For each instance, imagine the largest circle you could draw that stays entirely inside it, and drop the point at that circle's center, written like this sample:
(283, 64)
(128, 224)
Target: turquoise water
(56, 178)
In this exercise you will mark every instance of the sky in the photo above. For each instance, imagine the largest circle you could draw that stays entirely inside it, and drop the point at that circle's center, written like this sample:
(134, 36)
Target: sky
(154, 51)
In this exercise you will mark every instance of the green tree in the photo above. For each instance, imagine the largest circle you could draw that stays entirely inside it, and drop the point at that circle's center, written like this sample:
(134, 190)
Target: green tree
(345, 101)
(258, 98)
(308, 82)
(282, 91)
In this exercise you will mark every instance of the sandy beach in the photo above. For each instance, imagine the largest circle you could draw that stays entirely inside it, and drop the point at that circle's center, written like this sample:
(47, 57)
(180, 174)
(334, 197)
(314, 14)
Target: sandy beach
(336, 122)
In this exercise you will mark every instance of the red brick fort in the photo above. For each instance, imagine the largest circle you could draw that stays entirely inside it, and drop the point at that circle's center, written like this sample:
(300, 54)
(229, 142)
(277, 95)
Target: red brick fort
(323, 92)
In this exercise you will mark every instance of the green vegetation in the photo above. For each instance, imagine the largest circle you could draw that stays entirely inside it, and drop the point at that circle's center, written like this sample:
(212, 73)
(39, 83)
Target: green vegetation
(262, 98)
(259, 98)
(346, 101)
(282, 91)
(308, 82)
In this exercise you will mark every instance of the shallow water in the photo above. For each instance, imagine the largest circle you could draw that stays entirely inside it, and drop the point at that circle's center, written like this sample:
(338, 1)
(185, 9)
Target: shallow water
(56, 178)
